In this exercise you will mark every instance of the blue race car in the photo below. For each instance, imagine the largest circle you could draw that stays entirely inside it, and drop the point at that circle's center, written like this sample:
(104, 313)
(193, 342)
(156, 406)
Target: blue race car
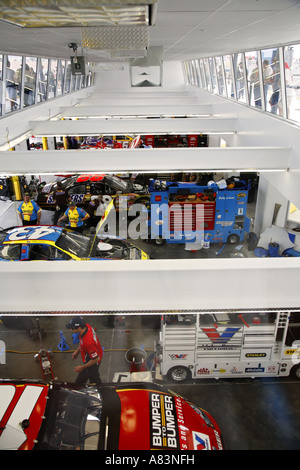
(56, 243)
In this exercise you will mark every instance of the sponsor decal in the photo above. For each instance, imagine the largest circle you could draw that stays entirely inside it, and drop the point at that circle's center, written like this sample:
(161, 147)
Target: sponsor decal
(255, 355)
(290, 352)
(177, 356)
(254, 369)
(218, 371)
(224, 224)
(163, 422)
(218, 439)
(203, 371)
(200, 441)
(182, 429)
(216, 337)
(234, 370)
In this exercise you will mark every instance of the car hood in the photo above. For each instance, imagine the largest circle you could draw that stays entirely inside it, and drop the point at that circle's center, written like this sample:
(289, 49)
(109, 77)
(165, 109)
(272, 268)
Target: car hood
(156, 420)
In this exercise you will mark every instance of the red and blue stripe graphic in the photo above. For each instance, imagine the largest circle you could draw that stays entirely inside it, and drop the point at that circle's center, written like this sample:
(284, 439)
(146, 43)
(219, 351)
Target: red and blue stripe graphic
(216, 337)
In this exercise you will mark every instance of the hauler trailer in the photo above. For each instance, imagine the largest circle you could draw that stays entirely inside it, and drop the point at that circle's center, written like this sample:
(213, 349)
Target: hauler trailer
(225, 344)
(190, 212)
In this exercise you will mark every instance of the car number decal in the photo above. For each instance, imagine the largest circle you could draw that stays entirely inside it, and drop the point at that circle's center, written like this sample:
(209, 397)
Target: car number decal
(29, 233)
(20, 402)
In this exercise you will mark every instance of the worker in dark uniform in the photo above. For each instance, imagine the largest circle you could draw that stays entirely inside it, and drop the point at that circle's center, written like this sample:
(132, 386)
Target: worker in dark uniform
(91, 209)
(90, 349)
(61, 198)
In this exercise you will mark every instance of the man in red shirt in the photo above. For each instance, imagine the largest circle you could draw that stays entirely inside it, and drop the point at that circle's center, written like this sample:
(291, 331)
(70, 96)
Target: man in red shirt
(90, 349)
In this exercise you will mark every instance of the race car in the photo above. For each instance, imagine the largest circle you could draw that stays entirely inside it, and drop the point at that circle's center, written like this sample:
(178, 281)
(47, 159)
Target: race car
(82, 187)
(135, 416)
(52, 243)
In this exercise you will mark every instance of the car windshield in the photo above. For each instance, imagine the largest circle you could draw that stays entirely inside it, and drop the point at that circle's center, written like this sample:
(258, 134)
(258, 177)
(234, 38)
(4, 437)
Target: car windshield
(72, 420)
(49, 187)
(74, 243)
(116, 182)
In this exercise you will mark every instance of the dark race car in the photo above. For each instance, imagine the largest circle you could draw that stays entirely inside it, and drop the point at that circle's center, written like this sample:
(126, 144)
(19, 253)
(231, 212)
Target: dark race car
(82, 187)
(50, 243)
(128, 416)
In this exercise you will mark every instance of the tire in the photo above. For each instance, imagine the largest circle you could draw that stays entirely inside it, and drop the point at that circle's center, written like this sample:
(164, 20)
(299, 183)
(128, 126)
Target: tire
(159, 241)
(233, 238)
(179, 374)
(296, 371)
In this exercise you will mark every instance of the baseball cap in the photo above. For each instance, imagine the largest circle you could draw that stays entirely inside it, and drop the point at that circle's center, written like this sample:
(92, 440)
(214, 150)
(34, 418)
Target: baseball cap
(71, 203)
(76, 322)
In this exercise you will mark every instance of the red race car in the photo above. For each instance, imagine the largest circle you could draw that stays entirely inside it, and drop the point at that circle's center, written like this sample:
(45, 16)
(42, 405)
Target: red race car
(133, 416)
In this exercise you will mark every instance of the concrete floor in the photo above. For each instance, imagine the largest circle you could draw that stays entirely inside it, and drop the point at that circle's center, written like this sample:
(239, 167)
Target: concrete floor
(253, 414)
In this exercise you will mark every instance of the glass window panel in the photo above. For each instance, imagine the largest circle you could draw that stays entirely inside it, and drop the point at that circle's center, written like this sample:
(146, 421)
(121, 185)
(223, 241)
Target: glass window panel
(239, 77)
(272, 80)
(68, 77)
(253, 80)
(213, 75)
(207, 74)
(229, 76)
(202, 73)
(60, 77)
(292, 81)
(220, 76)
(52, 79)
(13, 82)
(194, 73)
(42, 80)
(73, 82)
(184, 72)
(190, 73)
(77, 82)
(29, 81)
(198, 73)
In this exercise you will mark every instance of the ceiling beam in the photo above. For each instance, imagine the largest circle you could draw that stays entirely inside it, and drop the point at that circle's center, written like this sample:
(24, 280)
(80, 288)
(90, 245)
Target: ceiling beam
(175, 285)
(146, 160)
(83, 111)
(145, 100)
(95, 127)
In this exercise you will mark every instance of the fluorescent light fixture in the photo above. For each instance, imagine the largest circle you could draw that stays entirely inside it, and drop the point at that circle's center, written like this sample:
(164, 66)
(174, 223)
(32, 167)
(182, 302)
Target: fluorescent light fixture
(61, 13)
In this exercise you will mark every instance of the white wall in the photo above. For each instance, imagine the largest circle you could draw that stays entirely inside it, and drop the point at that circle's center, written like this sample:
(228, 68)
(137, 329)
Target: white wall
(256, 128)
(118, 80)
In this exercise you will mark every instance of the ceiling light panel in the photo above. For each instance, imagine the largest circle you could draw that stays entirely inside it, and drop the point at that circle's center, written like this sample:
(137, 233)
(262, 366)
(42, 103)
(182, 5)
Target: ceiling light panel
(115, 38)
(57, 13)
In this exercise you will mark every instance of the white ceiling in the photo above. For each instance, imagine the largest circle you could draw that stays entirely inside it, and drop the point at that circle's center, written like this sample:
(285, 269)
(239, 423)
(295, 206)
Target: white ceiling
(185, 29)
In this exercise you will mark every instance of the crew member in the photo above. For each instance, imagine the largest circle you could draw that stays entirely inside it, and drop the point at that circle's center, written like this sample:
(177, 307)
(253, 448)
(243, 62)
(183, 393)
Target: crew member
(76, 217)
(61, 198)
(95, 209)
(29, 212)
(90, 349)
